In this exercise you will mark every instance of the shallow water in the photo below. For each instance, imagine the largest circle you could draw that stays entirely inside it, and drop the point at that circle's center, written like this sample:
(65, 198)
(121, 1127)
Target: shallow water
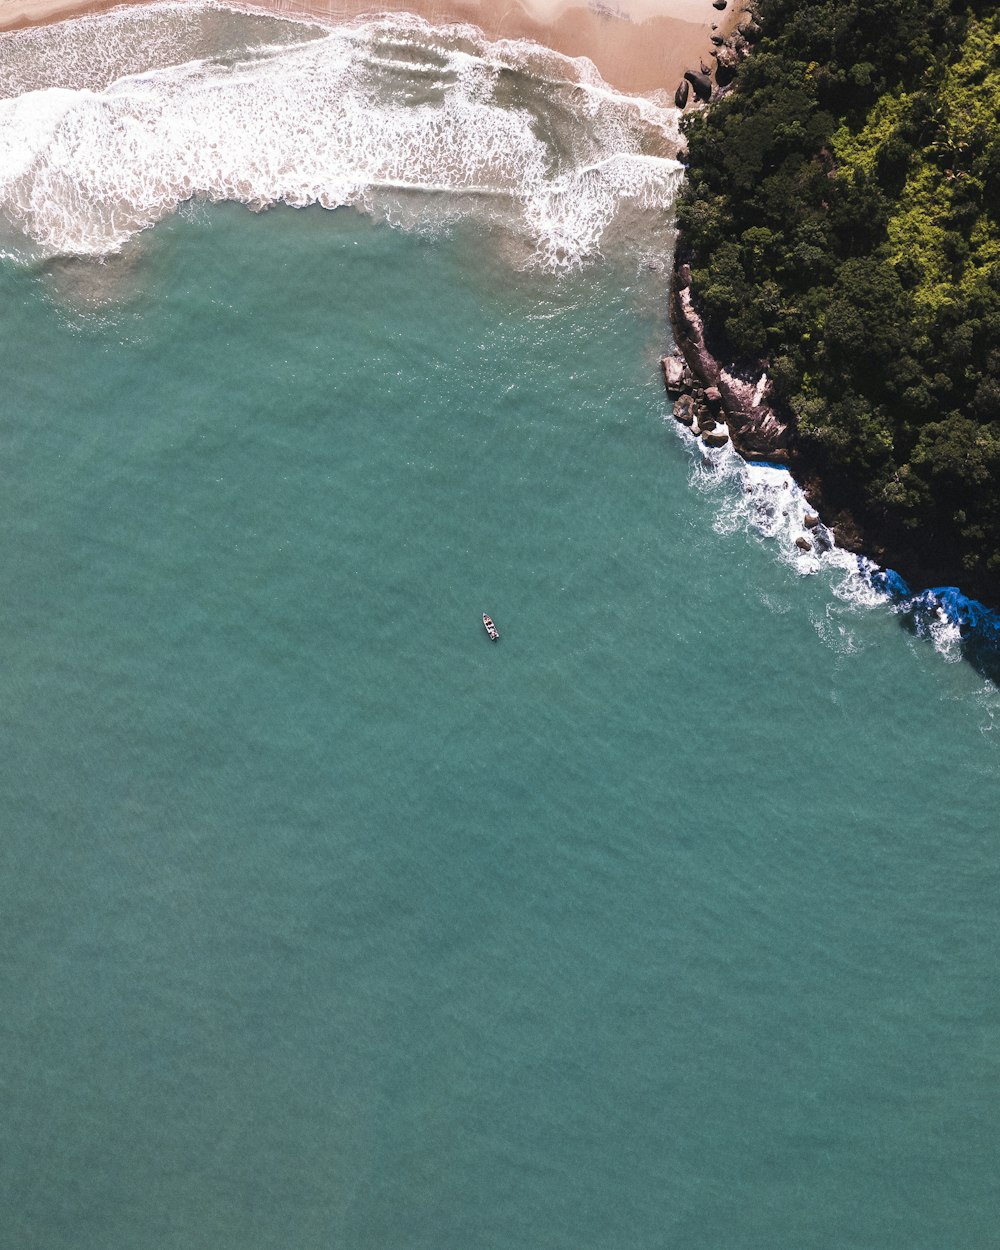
(668, 920)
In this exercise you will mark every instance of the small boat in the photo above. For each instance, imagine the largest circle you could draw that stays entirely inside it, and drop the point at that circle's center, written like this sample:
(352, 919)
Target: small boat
(491, 629)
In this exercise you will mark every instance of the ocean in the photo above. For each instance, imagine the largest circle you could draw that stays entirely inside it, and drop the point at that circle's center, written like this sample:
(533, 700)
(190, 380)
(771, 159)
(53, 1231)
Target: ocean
(670, 920)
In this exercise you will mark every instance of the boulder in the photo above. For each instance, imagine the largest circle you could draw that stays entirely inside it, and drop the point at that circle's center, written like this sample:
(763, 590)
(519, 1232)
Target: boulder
(707, 423)
(684, 409)
(810, 520)
(718, 4)
(681, 94)
(803, 544)
(823, 539)
(717, 40)
(727, 63)
(701, 83)
(673, 370)
(705, 69)
(713, 398)
(748, 29)
(716, 437)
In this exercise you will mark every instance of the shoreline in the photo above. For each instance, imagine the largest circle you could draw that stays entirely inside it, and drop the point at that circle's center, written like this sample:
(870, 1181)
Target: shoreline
(638, 46)
(719, 408)
(875, 466)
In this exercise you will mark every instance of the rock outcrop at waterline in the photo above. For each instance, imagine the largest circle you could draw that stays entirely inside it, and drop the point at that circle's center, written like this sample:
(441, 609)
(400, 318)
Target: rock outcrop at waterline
(702, 84)
(756, 431)
(727, 62)
(675, 372)
(706, 388)
(727, 53)
(690, 406)
(696, 407)
(806, 215)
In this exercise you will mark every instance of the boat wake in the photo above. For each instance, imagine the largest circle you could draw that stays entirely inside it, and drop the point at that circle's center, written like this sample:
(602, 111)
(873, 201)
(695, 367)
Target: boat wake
(109, 123)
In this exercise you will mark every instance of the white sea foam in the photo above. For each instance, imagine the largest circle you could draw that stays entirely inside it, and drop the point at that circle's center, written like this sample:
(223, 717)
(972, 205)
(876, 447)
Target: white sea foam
(366, 115)
(945, 634)
(765, 502)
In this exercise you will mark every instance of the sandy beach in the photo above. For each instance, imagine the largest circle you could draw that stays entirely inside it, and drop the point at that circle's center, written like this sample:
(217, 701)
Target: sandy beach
(638, 46)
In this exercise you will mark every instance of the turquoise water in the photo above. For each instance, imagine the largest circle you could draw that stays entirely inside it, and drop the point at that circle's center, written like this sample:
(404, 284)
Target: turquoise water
(670, 920)
(667, 921)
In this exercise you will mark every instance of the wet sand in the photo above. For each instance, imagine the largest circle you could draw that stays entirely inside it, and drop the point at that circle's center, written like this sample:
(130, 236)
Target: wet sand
(638, 46)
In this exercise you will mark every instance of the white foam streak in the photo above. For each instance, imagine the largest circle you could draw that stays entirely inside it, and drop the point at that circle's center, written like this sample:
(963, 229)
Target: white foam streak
(946, 637)
(765, 502)
(569, 216)
(335, 120)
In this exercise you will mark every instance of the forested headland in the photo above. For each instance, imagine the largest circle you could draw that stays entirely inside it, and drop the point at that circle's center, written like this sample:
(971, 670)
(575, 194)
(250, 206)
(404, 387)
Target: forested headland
(841, 219)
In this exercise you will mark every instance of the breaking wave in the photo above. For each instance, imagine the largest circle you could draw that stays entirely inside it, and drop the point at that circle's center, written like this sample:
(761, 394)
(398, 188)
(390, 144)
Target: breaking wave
(111, 122)
(765, 501)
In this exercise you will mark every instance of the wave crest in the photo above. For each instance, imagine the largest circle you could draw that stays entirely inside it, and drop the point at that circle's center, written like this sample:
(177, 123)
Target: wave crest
(765, 502)
(364, 115)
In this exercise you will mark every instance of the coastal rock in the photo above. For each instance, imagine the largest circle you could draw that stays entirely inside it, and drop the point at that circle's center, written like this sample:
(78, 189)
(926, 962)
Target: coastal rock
(823, 539)
(719, 4)
(681, 94)
(717, 437)
(747, 401)
(701, 83)
(749, 30)
(753, 425)
(690, 332)
(727, 62)
(713, 398)
(684, 409)
(717, 40)
(705, 69)
(707, 424)
(810, 520)
(673, 370)
(803, 544)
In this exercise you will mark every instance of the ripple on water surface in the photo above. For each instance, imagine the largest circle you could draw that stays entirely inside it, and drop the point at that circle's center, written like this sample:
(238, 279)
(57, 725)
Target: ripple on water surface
(670, 919)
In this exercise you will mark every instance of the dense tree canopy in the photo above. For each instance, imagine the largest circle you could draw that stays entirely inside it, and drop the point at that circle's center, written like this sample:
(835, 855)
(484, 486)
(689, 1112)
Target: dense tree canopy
(842, 220)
